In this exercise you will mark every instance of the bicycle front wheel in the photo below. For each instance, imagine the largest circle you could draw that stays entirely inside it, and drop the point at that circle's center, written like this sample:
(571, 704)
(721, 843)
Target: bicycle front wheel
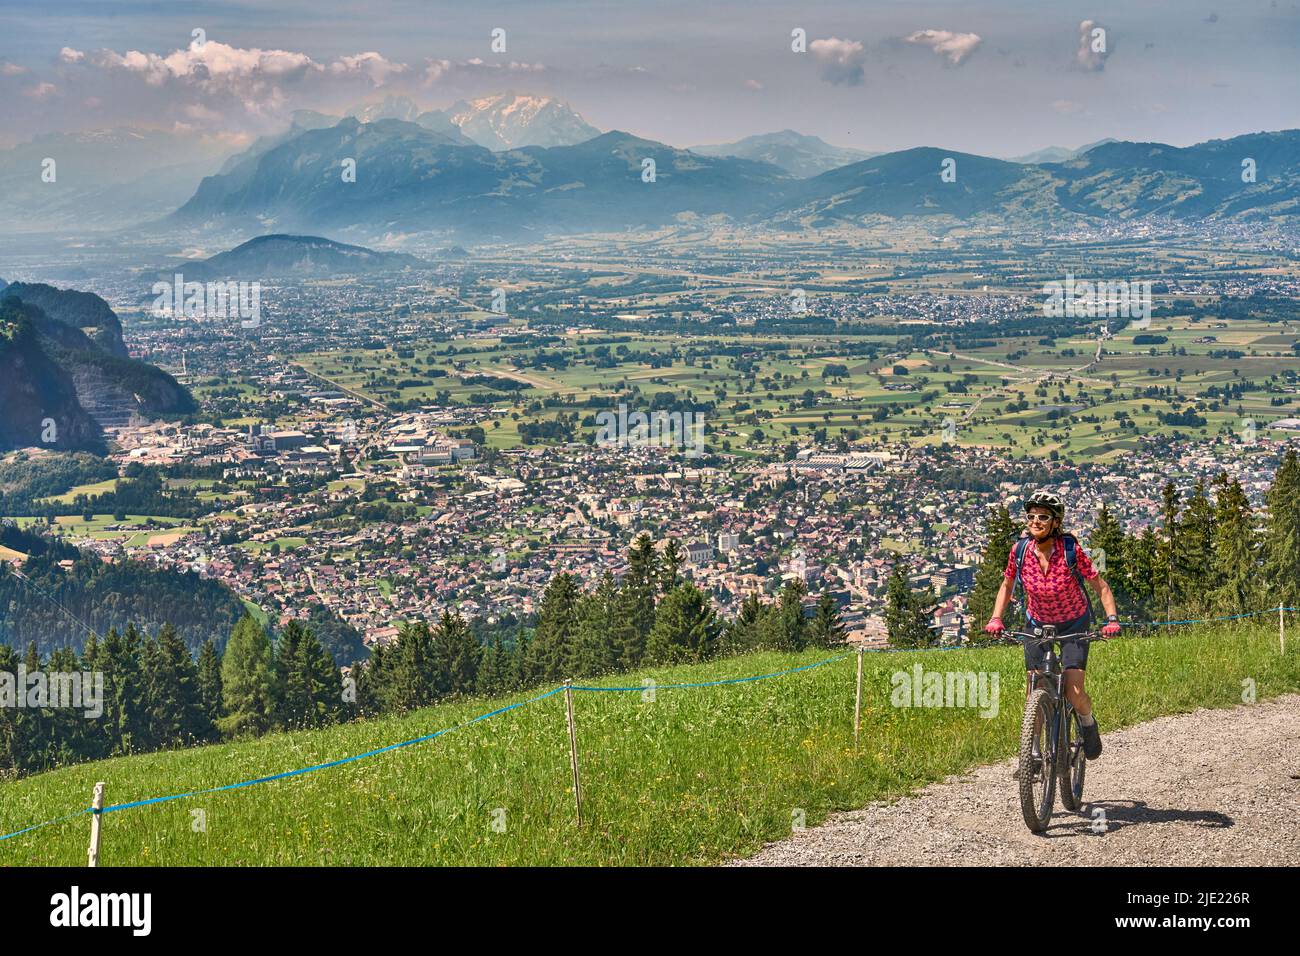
(1037, 757)
(1072, 763)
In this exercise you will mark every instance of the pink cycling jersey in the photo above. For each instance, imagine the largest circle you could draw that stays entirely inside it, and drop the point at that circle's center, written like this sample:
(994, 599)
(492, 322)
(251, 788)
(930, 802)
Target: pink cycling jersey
(1054, 597)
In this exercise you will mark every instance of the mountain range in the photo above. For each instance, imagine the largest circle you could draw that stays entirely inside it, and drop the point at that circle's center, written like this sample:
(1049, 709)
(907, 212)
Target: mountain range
(413, 179)
(797, 154)
(63, 364)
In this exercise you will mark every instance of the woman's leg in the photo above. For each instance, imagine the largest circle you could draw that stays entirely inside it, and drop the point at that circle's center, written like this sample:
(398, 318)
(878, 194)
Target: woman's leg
(1075, 694)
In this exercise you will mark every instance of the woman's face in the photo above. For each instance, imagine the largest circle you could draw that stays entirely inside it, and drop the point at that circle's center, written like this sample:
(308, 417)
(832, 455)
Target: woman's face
(1041, 522)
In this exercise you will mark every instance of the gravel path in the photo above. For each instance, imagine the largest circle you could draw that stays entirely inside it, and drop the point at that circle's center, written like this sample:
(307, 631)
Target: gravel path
(1214, 787)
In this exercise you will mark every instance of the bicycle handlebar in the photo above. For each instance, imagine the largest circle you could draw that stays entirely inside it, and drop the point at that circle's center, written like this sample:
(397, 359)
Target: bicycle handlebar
(1082, 637)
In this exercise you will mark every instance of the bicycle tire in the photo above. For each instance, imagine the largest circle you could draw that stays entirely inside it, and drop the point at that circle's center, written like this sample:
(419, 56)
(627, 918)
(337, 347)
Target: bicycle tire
(1037, 811)
(1071, 763)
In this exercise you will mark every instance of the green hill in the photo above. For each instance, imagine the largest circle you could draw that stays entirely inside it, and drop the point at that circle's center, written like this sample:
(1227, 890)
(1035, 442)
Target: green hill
(696, 776)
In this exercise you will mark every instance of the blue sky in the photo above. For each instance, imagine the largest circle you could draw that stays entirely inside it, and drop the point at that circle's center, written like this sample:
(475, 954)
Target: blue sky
(998, 77)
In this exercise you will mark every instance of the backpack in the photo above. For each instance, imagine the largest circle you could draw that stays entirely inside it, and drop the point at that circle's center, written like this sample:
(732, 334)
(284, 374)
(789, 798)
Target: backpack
(1071, 544)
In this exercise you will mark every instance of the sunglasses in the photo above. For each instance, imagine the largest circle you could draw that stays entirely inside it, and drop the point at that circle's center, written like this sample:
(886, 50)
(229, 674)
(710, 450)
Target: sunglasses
(1038, 519)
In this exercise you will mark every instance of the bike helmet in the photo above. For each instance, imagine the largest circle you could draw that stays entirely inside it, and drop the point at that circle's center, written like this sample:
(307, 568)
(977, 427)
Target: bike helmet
(1049, 500)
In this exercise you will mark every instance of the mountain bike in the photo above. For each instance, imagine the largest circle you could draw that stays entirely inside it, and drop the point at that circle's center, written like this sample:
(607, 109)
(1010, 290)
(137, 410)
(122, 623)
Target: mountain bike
(1051, 737)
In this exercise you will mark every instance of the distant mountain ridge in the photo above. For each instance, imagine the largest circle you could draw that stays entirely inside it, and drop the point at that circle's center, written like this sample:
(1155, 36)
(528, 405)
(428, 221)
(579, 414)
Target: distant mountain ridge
(413, 179)
(500, 121)
(798, 154)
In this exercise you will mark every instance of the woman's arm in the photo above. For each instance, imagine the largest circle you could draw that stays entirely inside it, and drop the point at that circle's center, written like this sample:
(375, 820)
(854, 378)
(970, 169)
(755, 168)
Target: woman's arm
(1000, 602)
(1107, 596)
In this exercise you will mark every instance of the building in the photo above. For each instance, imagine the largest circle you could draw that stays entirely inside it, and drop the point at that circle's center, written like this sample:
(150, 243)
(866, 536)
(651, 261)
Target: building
(699, 552)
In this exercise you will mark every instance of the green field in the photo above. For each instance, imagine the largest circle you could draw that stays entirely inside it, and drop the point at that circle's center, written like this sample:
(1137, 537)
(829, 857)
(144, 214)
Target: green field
(694, 777)
(1072, 402)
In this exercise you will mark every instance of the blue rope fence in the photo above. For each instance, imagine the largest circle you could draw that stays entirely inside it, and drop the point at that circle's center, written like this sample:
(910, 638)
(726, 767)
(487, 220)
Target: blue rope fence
(550, 693)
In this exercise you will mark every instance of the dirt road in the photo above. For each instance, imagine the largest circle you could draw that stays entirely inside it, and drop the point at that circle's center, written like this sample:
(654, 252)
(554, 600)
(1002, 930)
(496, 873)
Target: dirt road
(1214, 787)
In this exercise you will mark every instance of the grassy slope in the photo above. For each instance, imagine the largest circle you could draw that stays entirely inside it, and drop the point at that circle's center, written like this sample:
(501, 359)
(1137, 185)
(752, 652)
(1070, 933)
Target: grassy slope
(694, 777)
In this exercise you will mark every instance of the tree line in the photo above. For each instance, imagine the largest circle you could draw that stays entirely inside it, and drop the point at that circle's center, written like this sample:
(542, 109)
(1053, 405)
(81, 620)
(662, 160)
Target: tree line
(157, 696)
(1212, 554)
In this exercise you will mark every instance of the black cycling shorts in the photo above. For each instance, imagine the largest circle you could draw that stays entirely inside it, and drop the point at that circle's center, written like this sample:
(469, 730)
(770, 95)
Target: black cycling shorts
(1073, 653)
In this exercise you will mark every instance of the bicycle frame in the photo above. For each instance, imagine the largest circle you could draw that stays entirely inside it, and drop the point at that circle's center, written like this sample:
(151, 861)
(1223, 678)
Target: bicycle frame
(1060, 758)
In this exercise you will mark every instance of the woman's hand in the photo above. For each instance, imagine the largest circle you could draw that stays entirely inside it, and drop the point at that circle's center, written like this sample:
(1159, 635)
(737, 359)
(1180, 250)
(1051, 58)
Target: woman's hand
(994, 626)
(1111, 629)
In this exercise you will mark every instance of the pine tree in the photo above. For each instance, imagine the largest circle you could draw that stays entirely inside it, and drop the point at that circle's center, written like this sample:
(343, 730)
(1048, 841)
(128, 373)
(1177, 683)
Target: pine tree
(826, 628)
(209, 684)
(1234, 554)
(1106, 546)
(686, 628)
(907, 615)
(1142, 563)
(175, 711)
(491, 671)
(12, 756)
(1194, 559)
(999, 534)
(293, 679)
(526, 674)
(597, 627)
(670, 566)
(124, 719)
(1282, 535)
(456, 654)
(248, 683)
(741, 633)
(637, 602)
(1165, 587)
(325, 681)
(555, 642)
(793, 628)
(412, 681)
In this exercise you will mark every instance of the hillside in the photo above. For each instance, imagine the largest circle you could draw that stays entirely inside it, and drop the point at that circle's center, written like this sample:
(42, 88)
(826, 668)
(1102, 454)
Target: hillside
(108, 594)
(295, 256)
(696, 776)
(50, 369)
(80, 310)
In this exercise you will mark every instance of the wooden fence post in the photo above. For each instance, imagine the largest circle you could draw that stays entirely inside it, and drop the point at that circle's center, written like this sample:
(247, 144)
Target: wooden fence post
(96, 808)
(573, 747)
(857, 702)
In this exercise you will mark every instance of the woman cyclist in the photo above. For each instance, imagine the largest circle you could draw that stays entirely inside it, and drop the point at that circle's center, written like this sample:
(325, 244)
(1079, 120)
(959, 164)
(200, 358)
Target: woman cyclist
(1054, 597)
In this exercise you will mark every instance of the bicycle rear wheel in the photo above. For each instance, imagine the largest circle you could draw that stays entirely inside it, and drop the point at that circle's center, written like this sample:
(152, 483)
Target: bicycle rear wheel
(1072, 763)
(1037, 757)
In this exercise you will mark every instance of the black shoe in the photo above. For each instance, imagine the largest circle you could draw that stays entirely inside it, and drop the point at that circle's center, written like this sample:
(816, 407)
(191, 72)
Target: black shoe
(1091, 741)
(1037, 766)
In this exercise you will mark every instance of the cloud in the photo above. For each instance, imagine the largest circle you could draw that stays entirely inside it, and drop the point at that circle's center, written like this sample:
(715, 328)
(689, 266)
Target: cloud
(753, 85)
(41, 91)
(371, 65)
(11, 69)
(1094, 47)
(957, 47)
(437, 71)
(68, 55)
(1068, 107)
(841, 60)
